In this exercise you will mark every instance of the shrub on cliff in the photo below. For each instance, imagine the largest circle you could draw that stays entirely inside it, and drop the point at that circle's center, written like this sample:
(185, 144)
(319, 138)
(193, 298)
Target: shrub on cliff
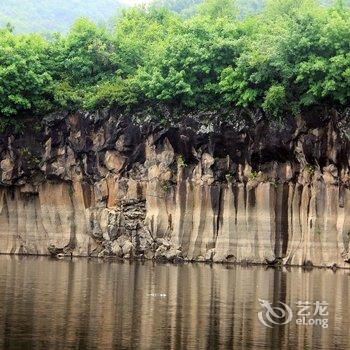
(188, 65)
(79, 61)
(296, 56)
(25, 81)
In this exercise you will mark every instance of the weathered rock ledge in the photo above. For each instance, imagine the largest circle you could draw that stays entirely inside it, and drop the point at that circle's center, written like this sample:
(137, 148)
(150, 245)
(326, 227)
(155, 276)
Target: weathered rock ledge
(103, 185)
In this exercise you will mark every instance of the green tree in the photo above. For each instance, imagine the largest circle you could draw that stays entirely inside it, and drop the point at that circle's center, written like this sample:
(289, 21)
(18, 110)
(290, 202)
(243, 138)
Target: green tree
(292, 56)
(85, 56)
(139, 34)
(295, 56)
(187, 68)
(25, 83)
(81, 60)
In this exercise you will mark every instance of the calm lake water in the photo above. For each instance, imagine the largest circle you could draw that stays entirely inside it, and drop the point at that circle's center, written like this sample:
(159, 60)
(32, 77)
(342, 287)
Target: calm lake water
(88, 304)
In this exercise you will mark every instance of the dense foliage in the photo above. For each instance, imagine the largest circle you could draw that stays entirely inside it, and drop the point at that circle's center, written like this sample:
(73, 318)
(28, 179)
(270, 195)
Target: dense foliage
(293, 55)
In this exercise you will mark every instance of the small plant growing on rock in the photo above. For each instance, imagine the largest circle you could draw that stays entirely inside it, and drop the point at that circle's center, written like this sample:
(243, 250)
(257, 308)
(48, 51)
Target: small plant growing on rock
(310, 169)
(35, 160)
(165, 185)
(29, 157)
(71, 190)
(253, 175)
(181, 161)
(229, 177)
(274, 183)
(318, 232)
(25, 152)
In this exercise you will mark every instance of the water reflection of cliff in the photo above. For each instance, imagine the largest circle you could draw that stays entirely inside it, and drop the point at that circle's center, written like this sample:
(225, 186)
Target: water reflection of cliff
(47, 304)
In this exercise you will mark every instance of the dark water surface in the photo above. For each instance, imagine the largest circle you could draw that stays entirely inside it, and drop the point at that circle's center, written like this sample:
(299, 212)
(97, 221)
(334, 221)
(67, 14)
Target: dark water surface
(87, 304)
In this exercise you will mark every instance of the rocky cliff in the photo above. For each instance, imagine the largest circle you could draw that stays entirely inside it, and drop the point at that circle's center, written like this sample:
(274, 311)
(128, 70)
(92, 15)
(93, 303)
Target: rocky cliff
(109, 184)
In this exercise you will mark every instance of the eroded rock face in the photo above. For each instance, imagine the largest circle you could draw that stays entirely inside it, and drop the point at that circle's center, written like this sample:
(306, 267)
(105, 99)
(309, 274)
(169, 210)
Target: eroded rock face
(101, 185)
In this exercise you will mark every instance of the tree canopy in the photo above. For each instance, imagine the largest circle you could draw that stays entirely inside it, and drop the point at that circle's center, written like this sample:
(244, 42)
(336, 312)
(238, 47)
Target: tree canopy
(293, 55)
